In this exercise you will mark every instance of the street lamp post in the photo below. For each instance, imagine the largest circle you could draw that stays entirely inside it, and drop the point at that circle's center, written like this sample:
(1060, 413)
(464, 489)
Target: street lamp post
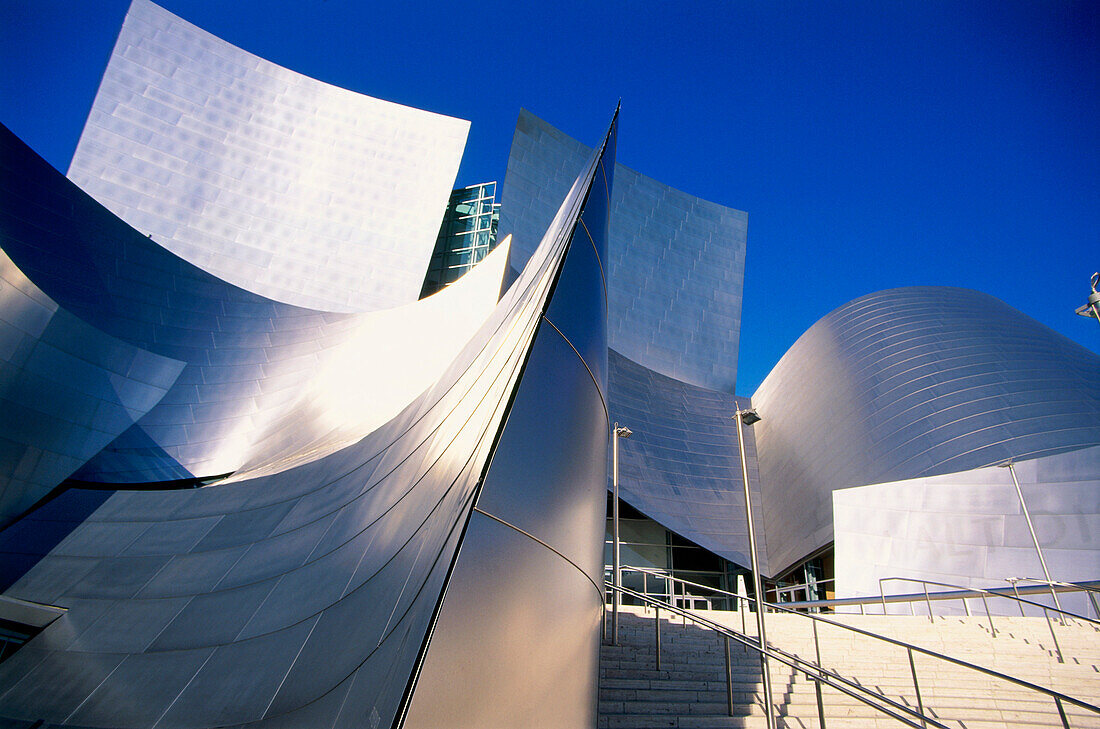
(748, 417)
(616, 578)
(1092, 307)
(1035, 539)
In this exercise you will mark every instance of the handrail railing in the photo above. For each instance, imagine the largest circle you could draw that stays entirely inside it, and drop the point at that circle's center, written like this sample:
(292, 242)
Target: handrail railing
(910, 648)
(817, 673)
(982, 593)
(865, 600)
(1054, 584)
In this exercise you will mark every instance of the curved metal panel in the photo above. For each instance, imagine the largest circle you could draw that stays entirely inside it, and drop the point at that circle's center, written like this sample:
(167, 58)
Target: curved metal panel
(909, 383)
(300, 593)
(968, 529)
(286, 186)
(516, 642)
(681, 467)
(675, 263)
(66, 390)
(248, 363)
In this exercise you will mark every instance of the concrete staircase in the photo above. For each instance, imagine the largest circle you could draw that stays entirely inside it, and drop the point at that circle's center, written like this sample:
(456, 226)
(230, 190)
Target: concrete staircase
(690, 689)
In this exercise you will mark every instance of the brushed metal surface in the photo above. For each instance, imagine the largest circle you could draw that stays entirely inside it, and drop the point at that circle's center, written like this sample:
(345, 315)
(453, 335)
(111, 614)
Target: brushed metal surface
(967, 529)
(289, 187)
(909, 383)
(674, 266)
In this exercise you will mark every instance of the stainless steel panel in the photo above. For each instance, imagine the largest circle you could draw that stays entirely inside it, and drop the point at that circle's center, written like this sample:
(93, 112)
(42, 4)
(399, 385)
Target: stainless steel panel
(967, 528)
(520, 618)
(910, 383)
(534, 641)
(674, 265)
(286, 186)
(681, 466)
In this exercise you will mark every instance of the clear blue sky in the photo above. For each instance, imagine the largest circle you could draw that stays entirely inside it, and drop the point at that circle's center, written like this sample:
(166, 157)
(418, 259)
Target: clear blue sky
(873, 144)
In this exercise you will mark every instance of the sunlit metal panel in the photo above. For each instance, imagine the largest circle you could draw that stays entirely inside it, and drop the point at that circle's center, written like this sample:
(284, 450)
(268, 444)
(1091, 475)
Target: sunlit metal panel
(909, 383)
(283, 185)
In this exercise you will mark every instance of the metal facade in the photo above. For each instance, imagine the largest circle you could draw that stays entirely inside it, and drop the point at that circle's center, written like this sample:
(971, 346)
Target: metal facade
(968, 529)
(909, 383)
(234, 363)
(675, 262)
(283, 185)
(681, 467)
(305, 591)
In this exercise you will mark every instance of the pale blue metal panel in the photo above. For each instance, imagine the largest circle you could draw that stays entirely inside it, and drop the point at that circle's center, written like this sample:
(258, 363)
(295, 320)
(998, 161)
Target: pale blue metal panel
(674, 267)
(682, 466)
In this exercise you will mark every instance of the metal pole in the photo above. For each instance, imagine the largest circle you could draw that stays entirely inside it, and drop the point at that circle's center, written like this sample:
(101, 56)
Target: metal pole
(1035, 539)
(817, 681)
(758, 583)
(729, 678)
(916, 687)
(616, 579)
(1013, 580)
(657, 633)
(988, 616)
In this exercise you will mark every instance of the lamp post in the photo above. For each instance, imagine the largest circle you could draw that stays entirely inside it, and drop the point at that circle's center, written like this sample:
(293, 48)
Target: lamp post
(616, 578)
(1092, 307)
(1027, 517)
(748, 417)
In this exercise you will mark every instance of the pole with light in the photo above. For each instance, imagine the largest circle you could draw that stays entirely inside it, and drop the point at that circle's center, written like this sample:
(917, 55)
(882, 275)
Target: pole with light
(1092, 307)
(1027, 517)
(616, 577)
(748, 417)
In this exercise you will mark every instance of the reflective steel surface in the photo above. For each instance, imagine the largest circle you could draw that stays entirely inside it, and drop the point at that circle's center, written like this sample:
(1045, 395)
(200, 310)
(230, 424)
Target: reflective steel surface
(968, 529)
(286, 186)
(909, 383)
(681, 466)
(299, 595)
(675, 262)
(235, 365)
(517, 641)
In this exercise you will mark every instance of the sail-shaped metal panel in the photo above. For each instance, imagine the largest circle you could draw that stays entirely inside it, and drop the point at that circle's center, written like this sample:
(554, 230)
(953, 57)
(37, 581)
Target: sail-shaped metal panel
(286, 186)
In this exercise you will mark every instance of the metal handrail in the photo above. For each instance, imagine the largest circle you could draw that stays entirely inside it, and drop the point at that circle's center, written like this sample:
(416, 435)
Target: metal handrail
(1055, 583)
(815, 672)
(982, 593)
(1056, 695)
(862, 601)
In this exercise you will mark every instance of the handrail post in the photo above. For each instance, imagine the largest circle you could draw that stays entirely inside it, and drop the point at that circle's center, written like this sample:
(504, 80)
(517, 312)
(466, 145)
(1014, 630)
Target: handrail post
(916, 687)
(1050, 627)
(817, 681)
(1016, 591)
(882, 595)
(657, 632)
(929, 601)
(989, 616)
(966, 607)
(1061, 712)
(1092, 599)
(729, 677)
(616, 576)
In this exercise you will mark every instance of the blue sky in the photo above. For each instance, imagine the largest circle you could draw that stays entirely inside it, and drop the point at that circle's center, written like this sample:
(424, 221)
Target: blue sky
(873, 144)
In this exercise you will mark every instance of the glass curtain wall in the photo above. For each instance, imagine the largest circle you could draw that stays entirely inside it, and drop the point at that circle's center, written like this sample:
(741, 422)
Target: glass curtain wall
(646, 543)
(468, 233)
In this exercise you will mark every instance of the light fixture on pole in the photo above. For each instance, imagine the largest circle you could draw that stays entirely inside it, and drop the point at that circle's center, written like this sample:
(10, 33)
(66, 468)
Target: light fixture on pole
(1027, 517)
(616, 578)
(748, 417)
(1092, 307)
